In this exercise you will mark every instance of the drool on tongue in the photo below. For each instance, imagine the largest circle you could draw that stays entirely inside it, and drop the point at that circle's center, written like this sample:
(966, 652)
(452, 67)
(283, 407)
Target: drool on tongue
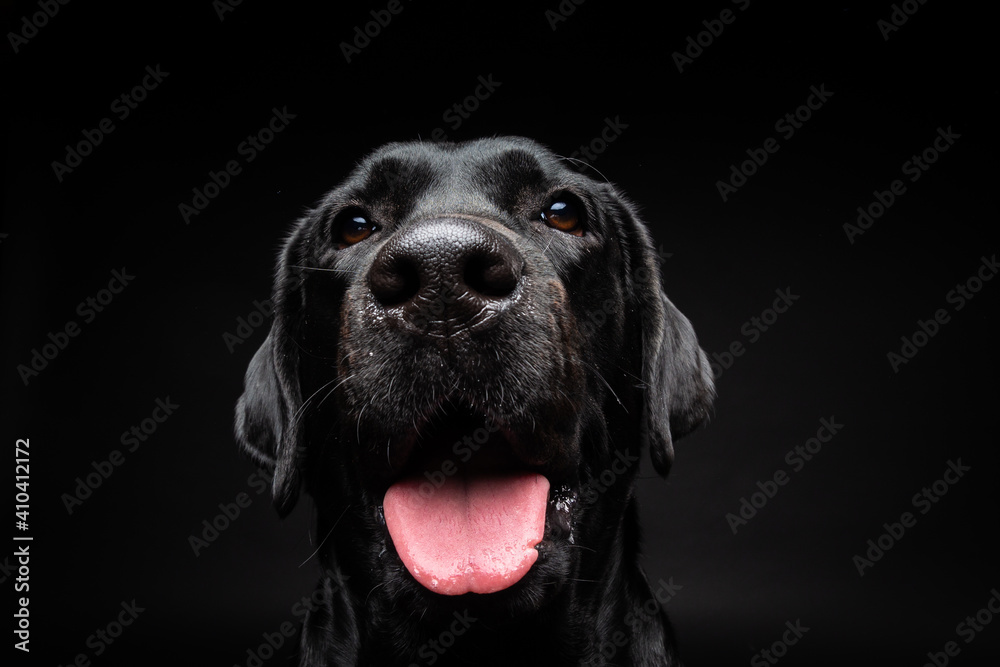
(472, 534)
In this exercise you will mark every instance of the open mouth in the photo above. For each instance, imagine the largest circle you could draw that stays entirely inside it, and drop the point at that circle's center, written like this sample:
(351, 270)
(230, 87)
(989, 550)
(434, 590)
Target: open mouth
(466, 514)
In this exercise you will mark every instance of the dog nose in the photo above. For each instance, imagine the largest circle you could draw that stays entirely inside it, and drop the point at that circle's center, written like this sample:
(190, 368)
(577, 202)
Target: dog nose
(445, 274)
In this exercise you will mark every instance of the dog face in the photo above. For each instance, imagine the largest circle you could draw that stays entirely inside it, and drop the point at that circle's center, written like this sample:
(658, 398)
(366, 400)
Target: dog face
(469, 350)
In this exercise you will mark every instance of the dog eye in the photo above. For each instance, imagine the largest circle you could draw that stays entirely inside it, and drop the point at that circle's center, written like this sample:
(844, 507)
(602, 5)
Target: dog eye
(564, 214)
(351, 226)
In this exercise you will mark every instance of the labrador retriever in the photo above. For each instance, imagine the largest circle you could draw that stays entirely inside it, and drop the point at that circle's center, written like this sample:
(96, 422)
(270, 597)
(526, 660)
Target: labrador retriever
(470, 348)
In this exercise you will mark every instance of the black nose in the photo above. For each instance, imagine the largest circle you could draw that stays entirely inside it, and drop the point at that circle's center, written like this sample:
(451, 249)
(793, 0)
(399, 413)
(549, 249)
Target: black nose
(445, 274)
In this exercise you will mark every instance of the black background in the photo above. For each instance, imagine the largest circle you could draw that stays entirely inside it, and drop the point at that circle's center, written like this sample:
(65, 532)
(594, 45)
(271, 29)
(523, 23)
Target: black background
(162, 336)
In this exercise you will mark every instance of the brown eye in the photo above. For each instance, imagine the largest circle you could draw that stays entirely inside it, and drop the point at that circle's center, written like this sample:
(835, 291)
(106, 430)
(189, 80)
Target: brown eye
(351, 226)
(564, 214)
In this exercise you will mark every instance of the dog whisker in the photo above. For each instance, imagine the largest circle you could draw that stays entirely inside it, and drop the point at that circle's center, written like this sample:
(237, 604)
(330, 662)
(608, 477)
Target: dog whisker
(600, 377)
(316, 268)
(388, 392)
(365, 407)
(606, 384)
(328, 395)
(629, 373)
(302, 408)
(309, 353)
(551, 239)
(585, 164)
(374, 588)
(320, 545)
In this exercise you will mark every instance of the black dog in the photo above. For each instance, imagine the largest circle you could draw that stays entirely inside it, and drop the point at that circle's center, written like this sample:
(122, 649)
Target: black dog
(470, 347)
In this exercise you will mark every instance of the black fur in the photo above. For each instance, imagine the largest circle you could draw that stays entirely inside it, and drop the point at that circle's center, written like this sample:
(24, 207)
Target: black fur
(581, 364)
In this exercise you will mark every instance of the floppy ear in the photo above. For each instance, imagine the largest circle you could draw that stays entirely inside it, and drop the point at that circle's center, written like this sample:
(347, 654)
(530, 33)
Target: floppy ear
(679, 389)
(677, 385)
(267, 419)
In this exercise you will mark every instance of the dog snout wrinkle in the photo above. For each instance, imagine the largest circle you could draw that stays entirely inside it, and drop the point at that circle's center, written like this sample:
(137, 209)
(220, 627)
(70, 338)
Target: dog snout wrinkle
(449, 272)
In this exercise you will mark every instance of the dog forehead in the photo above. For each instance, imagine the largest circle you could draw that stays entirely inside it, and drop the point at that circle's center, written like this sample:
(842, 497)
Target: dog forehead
(477, 175)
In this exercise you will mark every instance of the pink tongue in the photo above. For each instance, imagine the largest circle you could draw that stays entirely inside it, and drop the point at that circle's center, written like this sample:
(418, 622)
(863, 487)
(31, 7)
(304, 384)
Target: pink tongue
(472, 534)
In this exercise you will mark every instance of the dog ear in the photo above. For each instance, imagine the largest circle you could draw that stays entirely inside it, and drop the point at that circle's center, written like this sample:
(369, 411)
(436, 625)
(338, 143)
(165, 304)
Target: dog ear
(677, 384)
(679, 388)
(267, 423)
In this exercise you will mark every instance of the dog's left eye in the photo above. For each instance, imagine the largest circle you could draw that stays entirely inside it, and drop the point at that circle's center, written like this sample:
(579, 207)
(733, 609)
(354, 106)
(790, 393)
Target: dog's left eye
(351, 226)
(564, 214)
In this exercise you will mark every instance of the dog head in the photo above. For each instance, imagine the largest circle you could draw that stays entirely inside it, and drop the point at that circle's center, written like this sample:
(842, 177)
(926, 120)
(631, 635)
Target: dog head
(470, 347)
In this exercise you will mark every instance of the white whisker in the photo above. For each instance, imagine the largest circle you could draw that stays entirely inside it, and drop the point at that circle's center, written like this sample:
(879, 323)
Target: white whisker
(320, 546)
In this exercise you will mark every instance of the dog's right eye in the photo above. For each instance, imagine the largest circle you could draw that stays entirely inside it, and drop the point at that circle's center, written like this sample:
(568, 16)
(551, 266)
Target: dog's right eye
(351, 226)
